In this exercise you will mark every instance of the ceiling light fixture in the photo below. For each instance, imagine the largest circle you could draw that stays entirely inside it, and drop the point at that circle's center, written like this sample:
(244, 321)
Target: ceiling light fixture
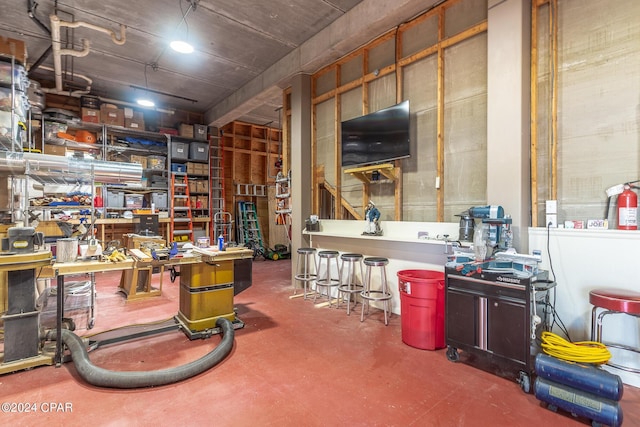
(144, 102)
(184, 98)
(179, 45)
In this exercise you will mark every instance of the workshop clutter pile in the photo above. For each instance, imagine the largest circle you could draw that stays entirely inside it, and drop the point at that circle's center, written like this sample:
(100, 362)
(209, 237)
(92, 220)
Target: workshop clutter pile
(75, 198)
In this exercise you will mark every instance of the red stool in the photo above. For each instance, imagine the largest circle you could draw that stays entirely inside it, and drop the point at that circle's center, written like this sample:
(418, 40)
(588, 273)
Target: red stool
(613, 301)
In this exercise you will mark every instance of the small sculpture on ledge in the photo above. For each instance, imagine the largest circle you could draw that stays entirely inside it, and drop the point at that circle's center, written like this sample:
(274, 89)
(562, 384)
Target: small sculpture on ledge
(372, 215)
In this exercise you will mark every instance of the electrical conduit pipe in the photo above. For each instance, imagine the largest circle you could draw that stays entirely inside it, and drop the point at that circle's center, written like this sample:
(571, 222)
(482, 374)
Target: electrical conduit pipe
(101, 377)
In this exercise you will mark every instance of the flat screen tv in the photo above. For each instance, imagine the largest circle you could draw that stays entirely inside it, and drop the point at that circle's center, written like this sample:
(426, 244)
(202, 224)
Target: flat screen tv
(376, 137)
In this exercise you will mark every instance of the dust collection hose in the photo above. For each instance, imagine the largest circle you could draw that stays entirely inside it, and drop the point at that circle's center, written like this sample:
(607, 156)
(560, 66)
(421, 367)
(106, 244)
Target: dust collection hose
(100, 377)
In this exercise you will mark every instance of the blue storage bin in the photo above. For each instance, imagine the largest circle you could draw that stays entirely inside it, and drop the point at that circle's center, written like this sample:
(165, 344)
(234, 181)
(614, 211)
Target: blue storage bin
(178, 167)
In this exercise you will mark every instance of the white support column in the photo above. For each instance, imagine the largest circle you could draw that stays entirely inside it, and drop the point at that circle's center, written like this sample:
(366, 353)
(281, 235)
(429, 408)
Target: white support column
(508, 104)
(300, 161)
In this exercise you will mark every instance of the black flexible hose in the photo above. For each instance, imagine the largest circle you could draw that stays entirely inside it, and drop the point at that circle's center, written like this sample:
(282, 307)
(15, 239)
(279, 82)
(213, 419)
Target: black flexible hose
(101, 377)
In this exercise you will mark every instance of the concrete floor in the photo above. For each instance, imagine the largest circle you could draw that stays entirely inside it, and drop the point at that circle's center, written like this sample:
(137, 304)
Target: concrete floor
(292, 364)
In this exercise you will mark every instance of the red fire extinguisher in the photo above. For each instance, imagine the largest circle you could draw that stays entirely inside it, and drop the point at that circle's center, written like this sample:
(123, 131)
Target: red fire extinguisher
(627, 209)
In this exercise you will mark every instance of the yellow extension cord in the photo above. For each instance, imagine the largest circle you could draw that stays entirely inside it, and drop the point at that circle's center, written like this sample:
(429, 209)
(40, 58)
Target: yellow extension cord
(581, 351)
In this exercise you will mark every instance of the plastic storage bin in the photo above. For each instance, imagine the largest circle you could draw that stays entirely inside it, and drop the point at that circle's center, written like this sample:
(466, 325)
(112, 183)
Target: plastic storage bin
(156, 162)
(200, 132)
(422, 308)
(199, 151)
(179, 150)
(115, 199)
(160, 200)
(178, 167)
(133, 201)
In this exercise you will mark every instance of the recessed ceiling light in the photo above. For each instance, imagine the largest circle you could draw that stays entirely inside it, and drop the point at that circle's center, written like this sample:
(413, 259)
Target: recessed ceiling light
(146, 103)
(181, 46)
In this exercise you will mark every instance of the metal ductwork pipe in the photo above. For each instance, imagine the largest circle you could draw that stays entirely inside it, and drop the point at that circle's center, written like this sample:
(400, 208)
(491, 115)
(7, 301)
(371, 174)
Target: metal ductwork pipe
(49, 168)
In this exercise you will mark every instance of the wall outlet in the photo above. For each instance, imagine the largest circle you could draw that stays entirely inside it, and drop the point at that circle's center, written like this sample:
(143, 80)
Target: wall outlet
(552, 221)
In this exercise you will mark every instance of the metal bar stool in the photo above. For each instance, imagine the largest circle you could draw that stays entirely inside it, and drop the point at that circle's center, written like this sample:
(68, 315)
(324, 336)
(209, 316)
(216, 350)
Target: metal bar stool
(349, 285)
(325, 281)
(383, 294)
(306, 269)
(613, 301)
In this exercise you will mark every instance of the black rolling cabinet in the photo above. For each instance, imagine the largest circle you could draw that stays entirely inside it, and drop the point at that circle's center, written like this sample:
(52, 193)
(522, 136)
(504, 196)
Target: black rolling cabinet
(490, 318)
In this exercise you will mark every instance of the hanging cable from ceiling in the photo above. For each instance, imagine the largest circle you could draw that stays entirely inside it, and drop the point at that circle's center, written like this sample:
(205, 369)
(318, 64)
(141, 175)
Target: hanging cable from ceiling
(193, 4)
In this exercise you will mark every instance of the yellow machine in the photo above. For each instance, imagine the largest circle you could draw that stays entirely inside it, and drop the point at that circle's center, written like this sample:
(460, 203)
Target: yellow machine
(207, 290)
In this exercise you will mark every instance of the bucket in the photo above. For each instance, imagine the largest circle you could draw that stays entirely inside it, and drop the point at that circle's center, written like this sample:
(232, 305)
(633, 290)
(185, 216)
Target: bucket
(66, 250)
(422, 308)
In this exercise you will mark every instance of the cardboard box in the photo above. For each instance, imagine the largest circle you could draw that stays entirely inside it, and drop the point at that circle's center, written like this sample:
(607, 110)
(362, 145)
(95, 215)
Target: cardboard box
(91, 115)
(193, 168)
(186, 130)
(112, 116)
(203, 201)
(202, 186)
(4, 192)
(200, 132)
(15, 48)
(193, 186)
(135, 122)
(203, 169)
(140, 160)
(56, 150)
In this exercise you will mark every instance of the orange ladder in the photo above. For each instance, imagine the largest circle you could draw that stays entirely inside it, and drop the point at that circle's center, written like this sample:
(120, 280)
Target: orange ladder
(181, 218)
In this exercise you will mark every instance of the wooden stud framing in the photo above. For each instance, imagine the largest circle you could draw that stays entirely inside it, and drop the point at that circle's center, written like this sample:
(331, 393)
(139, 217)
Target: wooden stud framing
(400, 62)
(553, 130)
(440, 122)
(553, 27)
(337, 108)
(534, 115)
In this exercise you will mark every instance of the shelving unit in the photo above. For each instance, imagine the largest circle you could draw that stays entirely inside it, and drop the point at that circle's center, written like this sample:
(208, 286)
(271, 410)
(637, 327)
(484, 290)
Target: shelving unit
(150, 150)
(154, 152)
(251, 154)
(191, 157)
(15, 106)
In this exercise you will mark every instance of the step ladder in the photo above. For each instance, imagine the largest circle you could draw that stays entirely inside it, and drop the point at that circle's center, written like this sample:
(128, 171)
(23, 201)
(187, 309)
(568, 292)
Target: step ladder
(216, 187)
(283, 202)
(222, 222)
(249, 227)
(181, 224)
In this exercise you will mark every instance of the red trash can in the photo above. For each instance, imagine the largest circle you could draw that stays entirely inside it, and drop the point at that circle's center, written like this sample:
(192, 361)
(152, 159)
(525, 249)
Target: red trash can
(422, 308)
